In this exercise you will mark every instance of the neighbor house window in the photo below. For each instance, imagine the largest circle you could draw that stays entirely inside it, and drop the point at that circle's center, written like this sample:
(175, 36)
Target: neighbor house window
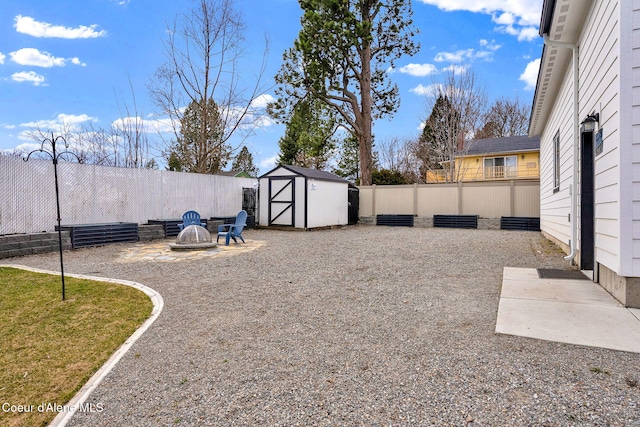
(501, 167)
(556, 162)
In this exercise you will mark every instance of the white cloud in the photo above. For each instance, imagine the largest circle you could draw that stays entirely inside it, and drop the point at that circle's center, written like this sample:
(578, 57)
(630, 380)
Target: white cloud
(77, 61)
(528, 34)
(422, 90)
(491, 45)
(262, 101)
(159, 125)
(268, 163)
(28, 76)
(149, 125)
(60, 122)
(466, 55)
(530, 74)
(29, 26)
(516, 17)
(417, 70)
(505, 19)
(33, 57)
(527, 12)
(457, 56)
(2, 58)
(456, 69)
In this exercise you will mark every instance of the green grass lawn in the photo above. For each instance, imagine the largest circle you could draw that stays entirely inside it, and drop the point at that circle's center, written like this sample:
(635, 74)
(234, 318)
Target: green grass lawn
(48, 347)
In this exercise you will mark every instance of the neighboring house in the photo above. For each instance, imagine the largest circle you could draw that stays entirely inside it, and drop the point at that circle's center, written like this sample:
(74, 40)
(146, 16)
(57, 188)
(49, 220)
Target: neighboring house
(513, 157)
(236, 174)
(586, 111)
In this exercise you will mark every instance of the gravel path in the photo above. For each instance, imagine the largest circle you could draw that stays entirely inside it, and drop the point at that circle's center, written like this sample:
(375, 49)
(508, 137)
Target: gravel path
(362, 325)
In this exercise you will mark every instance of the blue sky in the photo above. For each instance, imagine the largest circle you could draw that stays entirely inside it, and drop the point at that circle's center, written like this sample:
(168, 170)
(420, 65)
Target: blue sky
(75, 62)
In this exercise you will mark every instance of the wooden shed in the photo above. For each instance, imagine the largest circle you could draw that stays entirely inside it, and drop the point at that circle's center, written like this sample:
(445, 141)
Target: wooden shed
(292, 196)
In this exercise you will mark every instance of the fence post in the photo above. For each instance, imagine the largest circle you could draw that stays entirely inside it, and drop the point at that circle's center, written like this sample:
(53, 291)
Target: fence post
(460, 198)
(415, 199)
(512, 198)
(373, 200)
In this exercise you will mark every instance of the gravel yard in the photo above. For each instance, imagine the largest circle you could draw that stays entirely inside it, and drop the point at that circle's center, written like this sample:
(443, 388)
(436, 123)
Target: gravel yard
(362, 325)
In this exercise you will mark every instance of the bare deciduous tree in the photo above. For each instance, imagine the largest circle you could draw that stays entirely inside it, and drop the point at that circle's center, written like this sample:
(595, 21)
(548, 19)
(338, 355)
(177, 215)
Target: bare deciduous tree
(203, 51)
(457, 104)
(506, 117)
(123, 144)
(398, 155)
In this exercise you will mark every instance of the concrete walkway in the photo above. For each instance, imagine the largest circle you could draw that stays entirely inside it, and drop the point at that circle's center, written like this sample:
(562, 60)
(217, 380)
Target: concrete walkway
(568, 311)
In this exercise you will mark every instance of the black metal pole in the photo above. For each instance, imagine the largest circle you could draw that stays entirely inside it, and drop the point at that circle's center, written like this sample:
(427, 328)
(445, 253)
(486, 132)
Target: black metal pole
(54, 156)
(55, 174)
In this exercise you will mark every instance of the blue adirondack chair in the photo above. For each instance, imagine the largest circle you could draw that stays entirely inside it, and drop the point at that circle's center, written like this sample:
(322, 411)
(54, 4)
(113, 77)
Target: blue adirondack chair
(231, 231)
(190, 218)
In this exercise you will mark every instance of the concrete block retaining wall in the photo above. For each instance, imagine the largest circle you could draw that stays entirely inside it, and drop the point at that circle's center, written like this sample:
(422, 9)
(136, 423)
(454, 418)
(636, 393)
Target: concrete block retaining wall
(29, 244)
(427, 222)
(148, 232)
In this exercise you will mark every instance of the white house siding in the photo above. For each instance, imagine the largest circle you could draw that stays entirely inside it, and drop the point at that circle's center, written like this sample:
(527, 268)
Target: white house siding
(600, 89)
(555, 207)
(631, 43)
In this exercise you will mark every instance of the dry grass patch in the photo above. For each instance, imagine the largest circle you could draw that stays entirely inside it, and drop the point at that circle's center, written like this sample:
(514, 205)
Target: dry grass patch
(49, 347)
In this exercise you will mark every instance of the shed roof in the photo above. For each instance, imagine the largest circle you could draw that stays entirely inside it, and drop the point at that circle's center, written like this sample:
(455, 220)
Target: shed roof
(309, 173)
(509, 144)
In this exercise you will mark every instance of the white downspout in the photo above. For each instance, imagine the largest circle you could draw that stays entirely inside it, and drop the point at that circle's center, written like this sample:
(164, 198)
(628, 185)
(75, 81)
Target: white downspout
(573, 189)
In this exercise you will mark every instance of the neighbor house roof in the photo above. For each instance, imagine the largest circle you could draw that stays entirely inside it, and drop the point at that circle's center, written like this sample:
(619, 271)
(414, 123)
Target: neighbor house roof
(508, 144)
(310, 173)
(235, 174)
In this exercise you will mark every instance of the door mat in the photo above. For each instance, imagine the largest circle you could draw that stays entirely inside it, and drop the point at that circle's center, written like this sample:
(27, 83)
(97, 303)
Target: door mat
(550, 273)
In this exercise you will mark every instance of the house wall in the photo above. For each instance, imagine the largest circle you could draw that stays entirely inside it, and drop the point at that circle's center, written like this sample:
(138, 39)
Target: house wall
(472, 167)
(555, 206)
(599, 88)
(600, 91)
(630, 113)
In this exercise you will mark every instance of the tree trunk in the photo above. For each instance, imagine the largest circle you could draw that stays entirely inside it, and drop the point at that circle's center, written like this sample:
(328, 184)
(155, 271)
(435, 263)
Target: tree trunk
(365, 136)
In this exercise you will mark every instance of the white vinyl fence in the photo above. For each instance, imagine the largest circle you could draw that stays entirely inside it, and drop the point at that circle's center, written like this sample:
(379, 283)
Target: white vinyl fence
(100, 194)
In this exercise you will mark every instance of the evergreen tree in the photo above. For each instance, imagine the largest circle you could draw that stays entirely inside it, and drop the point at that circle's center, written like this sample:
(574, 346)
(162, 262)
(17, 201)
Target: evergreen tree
(308, 140)
(199, 147)
(348, 165)
(341, 57)
(388, 177)
(244, 162)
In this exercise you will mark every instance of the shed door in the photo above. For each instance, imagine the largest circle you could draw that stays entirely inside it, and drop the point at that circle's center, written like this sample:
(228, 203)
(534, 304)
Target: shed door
(282, 201)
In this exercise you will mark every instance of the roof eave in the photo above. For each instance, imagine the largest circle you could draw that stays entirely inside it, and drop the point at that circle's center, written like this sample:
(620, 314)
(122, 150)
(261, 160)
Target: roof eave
(561, 20)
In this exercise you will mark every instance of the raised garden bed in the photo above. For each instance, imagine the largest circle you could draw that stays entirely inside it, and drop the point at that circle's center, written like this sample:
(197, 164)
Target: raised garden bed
(83, 235)
(455, 221)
